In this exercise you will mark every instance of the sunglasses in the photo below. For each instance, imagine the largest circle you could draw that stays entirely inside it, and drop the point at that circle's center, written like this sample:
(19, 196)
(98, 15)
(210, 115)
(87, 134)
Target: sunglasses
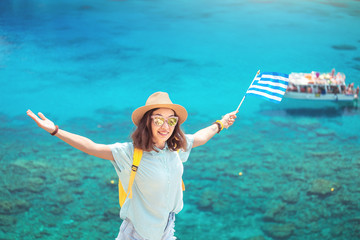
(159, 120)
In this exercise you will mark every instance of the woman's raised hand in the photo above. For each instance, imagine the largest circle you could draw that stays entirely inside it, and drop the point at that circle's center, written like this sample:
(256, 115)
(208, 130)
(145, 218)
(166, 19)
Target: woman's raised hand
(229, 119)
(42, 122)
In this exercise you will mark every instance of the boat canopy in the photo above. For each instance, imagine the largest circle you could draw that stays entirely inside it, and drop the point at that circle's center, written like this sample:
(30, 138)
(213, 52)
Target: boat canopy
(317, 78)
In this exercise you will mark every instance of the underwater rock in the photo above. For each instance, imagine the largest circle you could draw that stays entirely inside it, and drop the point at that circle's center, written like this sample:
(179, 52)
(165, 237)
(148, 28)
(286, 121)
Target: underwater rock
(266, 187)
(314, 227)
(291, 196)
(42, 234)
(299, 168)
(281, 122)
(28, 168)
(62, 189)
(66, 199)
(35, 184)
(325, 133)
(323, 155)
(242, 188)
(247, 164)
(36, 164)
(278, 231)
(15, 187)
(112, 213)
(355, 219)
(85, 215)
(309, 124)
(344, 47)
(17, 168)
(337, 230)
(274, 213)
(30, 165)
(14, 206)
(347, 199)
(207, 199)
(78, 191)
(308, 216)
(7, 220)
(23, 164)
(71, 176)
(55, 210)
(220, 206)
(354, 189)
(4, 193)
(103, 228)
(323, 187)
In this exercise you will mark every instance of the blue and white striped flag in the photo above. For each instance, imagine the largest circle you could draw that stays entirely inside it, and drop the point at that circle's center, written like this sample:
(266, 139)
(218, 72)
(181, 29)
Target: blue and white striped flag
(269, 85)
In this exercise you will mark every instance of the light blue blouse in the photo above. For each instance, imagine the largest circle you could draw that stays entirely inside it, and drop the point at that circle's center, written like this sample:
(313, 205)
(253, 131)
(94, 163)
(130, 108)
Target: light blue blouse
(157, 189)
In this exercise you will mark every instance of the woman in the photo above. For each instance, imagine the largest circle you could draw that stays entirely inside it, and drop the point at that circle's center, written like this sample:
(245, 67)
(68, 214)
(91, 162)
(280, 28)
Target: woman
(157, 190)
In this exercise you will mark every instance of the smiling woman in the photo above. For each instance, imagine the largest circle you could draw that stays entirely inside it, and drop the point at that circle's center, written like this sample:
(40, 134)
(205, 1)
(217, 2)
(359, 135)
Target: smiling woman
(156, 194)
(157, 123)
(163, 125)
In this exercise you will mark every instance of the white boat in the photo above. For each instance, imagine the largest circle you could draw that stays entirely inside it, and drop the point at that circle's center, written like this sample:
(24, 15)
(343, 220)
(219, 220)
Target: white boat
(321, 87)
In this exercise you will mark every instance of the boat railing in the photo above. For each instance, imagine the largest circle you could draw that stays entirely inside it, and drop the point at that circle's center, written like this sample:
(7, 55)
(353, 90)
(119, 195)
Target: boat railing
(317, 88)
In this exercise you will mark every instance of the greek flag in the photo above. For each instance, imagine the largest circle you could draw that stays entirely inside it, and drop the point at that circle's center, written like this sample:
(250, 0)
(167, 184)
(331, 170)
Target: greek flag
(269, 85)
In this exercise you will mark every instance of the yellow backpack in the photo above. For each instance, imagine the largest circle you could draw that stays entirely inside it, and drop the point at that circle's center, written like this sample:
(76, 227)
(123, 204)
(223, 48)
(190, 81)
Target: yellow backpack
(136, 162)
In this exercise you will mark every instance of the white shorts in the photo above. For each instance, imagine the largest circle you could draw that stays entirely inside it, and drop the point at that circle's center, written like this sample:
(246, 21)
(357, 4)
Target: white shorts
(128, 232)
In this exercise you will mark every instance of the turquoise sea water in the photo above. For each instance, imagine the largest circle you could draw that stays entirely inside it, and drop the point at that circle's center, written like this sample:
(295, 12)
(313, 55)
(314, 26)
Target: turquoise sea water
(88, 64)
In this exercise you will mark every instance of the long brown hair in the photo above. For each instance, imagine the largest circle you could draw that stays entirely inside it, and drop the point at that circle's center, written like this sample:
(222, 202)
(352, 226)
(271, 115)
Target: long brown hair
(142, 136)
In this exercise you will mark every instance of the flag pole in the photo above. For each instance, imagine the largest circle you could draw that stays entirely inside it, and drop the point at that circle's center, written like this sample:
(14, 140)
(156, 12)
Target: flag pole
(258, 72)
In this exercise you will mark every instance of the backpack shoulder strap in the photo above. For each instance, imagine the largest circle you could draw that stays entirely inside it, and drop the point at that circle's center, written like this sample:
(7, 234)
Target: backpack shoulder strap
(136, 162)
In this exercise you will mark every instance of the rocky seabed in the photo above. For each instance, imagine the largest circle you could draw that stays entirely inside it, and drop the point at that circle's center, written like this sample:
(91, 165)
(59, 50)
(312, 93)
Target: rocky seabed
(294, 180)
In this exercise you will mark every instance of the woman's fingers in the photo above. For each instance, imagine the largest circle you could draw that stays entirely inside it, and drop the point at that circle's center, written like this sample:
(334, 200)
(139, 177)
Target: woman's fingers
(29, 112)
(42, 122)
(33, 116)
(233, 115)
(42, 116)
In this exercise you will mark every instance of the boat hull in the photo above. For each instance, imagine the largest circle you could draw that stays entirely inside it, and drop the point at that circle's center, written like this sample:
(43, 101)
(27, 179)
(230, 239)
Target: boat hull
(295, 100)
(336, 98)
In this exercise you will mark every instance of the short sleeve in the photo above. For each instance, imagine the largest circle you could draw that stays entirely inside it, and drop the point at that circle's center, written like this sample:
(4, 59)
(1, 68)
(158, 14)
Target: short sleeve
(122, 153)
(184, 155)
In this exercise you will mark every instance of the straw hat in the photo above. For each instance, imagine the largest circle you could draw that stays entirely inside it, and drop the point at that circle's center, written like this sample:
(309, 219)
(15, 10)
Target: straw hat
(159, 100)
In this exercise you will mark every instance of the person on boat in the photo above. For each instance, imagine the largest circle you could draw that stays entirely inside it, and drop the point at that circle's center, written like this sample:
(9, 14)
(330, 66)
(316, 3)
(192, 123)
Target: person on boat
(321, 90)
(343, 89)
(332, 73)
(350, 89)
(292, 88)
(309, 89)
(157, 191)
(335, 89)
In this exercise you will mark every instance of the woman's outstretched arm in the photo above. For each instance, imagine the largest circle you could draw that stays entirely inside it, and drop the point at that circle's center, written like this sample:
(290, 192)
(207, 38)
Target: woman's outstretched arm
(82, 143)
(204, 135)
